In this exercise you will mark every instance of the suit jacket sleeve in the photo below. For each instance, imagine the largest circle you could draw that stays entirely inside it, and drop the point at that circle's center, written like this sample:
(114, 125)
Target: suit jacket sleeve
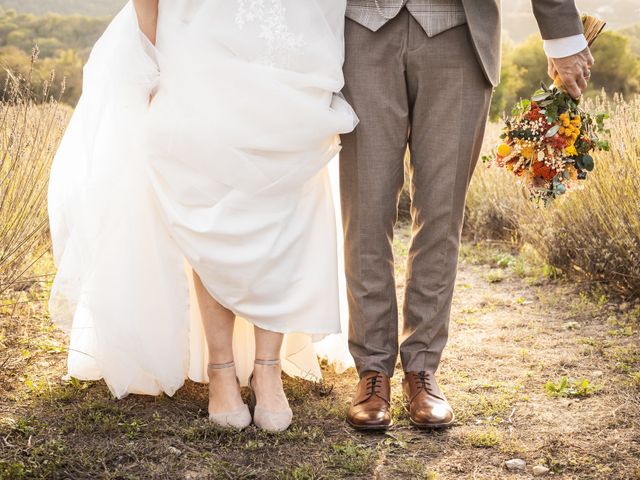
(557, 18)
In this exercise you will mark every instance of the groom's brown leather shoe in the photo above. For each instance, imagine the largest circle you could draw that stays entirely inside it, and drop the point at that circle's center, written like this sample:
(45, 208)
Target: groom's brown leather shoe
(427, 405)
(370, 408)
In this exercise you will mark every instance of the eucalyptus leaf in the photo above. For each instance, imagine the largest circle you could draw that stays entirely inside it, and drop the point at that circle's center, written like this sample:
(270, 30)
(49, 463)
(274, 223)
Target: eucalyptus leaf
(552, 131)
(538, 97)
(588, 163)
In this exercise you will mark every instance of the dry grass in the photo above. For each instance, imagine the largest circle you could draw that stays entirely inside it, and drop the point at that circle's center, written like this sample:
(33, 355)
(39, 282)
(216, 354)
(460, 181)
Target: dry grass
(510, 340)
(594, 231)
(31, 125)
(536, 369)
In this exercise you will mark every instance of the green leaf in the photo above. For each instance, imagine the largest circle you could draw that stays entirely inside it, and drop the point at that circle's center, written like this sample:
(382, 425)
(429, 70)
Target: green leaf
(588, 163)
(521, 107)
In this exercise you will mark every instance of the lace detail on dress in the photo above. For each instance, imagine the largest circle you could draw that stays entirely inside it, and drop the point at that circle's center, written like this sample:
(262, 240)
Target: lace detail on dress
(281, 44)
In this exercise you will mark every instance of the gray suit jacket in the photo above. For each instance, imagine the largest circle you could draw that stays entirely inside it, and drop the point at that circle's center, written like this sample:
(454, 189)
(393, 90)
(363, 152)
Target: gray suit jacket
(556, 19)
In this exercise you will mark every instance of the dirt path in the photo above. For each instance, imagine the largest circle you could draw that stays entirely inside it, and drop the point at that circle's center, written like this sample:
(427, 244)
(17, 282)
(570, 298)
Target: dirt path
(512, 331)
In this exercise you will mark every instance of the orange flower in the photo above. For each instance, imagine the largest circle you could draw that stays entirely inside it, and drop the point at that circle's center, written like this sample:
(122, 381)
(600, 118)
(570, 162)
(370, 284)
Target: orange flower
(541, 169)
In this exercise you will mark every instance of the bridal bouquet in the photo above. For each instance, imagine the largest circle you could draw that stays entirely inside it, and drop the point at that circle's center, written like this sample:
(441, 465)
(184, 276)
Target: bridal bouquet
(547, 141)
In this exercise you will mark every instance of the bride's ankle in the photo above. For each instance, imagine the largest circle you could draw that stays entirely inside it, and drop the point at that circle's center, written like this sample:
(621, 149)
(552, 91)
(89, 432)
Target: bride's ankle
(267, 384)
(267, 372)
(224, 388)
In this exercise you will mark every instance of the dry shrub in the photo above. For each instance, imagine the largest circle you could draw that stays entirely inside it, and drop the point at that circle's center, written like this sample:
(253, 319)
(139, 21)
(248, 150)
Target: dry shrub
(494, 202)
(594, 231)
(31, 125)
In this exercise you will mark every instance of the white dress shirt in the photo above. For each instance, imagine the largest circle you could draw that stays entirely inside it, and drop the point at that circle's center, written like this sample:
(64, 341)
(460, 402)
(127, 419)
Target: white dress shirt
(565, 47)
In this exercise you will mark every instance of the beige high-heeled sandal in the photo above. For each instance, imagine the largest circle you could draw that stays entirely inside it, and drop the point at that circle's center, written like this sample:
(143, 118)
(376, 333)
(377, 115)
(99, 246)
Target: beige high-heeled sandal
(239, 418)
(269, 420)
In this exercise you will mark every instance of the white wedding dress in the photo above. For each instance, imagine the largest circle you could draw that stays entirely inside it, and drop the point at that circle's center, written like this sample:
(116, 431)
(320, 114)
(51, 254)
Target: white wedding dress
(225, 172)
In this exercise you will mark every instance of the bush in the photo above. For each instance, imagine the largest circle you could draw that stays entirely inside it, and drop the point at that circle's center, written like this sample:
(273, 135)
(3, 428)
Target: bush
(31, 125)
(594, 231)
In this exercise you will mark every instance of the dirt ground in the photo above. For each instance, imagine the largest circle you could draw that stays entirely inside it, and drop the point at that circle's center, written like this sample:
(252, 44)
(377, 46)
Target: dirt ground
(540, 369)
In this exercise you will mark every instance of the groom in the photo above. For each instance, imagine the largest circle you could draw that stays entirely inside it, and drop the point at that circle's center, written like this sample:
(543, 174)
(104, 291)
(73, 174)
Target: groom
(420, 73)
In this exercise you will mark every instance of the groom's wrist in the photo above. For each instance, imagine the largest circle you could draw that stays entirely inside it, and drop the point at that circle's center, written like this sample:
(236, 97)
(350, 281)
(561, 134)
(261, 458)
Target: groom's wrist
(566, 46)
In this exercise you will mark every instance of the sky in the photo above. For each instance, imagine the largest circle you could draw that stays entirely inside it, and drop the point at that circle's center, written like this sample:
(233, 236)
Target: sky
(518, 20)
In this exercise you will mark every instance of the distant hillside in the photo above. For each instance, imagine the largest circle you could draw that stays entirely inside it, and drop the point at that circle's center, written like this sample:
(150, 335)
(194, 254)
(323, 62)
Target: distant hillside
(518, 19)
(65, 7)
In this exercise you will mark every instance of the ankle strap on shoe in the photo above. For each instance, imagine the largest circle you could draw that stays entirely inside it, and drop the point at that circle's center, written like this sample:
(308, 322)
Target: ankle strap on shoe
(220, 366)
(267, 362)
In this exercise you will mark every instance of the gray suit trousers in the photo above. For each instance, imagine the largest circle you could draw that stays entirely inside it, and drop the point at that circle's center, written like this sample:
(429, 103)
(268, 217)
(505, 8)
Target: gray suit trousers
(432, 95)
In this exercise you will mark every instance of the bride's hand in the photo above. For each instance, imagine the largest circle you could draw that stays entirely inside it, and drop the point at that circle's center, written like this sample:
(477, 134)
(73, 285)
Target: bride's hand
(147, 12)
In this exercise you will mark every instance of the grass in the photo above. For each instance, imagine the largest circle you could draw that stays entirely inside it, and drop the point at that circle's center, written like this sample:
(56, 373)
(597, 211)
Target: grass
(522, 346)
(31, 125)
(592, 233)
(572, 389)
(483, 438)
(494, 373)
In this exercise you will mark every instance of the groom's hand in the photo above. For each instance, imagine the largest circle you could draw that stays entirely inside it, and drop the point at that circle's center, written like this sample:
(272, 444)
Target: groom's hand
(574, 71)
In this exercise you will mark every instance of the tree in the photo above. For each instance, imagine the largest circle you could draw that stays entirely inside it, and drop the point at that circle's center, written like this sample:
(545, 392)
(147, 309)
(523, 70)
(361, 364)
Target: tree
(68, 65)
(617, 68)
(504, 96)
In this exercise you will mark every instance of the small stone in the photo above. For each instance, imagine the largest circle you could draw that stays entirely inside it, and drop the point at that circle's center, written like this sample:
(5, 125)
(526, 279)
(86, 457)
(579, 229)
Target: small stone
(597, 373)
(571, 326)
(516, 465)
(175, 451)
(540, 470)
(624, 307)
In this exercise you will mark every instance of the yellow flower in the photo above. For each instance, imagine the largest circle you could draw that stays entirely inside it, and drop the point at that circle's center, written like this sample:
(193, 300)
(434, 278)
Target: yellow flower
(527, 152)
(571, 150)
(572, 132)
(561, 130)
(504, 150)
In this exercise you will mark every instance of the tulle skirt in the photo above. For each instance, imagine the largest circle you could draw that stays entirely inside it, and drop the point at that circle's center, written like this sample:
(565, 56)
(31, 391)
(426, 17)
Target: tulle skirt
(223, 173)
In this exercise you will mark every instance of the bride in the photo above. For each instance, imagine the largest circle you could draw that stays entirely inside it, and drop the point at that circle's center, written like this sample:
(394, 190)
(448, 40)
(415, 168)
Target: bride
(190, 200)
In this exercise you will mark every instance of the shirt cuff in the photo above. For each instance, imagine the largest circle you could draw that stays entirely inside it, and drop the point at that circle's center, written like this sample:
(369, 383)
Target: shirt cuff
(565, 47)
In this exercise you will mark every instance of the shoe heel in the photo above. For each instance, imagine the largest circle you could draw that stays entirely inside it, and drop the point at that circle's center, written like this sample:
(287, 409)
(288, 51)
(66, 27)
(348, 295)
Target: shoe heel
(252, 395)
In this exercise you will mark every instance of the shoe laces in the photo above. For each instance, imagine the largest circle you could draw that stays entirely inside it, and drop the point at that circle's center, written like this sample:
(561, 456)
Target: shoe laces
(423, 381)
(374, 383)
